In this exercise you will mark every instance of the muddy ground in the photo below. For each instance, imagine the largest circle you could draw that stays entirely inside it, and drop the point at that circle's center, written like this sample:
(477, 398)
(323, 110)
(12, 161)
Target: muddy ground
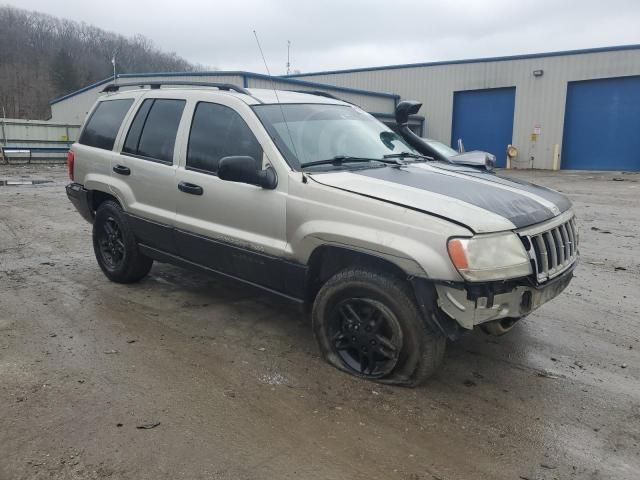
(233, 375)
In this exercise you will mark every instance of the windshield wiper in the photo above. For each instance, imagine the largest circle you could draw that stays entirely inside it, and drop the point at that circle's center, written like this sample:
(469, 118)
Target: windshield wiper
(403, 155)
(339, 160)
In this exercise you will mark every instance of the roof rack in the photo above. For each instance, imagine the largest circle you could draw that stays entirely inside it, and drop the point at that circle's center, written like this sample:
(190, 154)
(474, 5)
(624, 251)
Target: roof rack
(113, 87)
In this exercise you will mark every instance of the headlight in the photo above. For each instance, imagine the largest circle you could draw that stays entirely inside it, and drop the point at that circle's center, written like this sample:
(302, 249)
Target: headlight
(497, 256)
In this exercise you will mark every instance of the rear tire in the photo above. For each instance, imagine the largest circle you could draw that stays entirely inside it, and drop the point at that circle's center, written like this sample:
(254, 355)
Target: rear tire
(115, 246)
(368, 324)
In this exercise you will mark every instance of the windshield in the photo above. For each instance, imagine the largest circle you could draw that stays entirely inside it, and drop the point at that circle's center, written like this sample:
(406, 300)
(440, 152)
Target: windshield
(317, 132)
(441, 147)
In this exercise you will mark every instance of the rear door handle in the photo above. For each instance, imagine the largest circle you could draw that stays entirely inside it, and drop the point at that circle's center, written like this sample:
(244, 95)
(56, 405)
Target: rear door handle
(122, 170)
(190, 188)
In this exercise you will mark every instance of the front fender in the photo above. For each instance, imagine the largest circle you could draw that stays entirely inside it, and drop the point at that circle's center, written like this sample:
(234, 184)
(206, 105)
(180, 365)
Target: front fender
(414, 257)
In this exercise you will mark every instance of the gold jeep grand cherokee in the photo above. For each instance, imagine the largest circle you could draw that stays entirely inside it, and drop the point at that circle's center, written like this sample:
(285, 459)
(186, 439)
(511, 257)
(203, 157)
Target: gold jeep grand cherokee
(394, 248)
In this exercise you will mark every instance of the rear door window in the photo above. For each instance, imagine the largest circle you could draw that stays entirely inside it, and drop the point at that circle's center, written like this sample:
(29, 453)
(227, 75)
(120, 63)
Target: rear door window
(103, 125)
(133, 137)
(152, 134)
(217, 132)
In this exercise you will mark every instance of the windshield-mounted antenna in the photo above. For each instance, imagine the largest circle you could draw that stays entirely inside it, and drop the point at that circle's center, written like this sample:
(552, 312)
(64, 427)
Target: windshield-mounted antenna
(275, 91)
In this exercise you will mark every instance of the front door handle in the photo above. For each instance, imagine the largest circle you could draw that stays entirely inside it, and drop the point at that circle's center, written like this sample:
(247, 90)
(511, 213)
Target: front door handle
(190, 188)
(122, 170)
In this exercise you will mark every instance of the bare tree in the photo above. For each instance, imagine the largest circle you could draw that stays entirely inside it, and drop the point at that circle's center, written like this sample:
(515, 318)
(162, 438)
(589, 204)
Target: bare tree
(43, 57)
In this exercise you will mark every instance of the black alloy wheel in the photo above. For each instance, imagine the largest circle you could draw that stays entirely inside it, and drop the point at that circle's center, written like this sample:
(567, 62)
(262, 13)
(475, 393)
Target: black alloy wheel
(111, 242)
(367, 323)
(115, 245)
(366, 336)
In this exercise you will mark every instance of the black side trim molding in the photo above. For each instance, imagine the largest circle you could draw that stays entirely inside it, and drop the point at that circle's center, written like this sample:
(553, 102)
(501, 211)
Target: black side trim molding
(181, 262)
(154, 234)
(272, 273)
(168, 244)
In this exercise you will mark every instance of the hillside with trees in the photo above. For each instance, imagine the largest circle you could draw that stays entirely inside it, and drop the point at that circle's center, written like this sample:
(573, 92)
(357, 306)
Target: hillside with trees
(43, 57)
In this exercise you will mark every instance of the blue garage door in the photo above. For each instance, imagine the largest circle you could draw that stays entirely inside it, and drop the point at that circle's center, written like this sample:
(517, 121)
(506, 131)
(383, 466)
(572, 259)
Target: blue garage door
(483, 119)
(602, 125)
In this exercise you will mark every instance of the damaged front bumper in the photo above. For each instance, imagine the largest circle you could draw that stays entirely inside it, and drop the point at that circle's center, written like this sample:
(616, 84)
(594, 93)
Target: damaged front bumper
(473, 304)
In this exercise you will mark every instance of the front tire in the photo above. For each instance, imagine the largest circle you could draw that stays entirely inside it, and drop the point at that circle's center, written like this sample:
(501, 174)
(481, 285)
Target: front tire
(115, 246)
(367, 323)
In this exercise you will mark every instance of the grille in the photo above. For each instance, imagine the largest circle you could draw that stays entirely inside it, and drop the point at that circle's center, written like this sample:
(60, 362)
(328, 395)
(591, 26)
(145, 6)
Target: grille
(552, 251)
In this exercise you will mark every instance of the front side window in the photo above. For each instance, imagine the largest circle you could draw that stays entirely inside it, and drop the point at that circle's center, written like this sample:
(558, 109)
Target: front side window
(217, 132)
(152, 134)
(306, 133)
(103, 125)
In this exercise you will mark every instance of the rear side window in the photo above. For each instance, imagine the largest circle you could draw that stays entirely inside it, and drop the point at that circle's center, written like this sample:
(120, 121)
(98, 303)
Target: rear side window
(103, 125)
(133, 137)
(217, 132)
(152, 134)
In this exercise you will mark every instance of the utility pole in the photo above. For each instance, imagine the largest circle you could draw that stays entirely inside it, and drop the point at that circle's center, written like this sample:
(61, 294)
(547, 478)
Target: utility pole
(288, 55)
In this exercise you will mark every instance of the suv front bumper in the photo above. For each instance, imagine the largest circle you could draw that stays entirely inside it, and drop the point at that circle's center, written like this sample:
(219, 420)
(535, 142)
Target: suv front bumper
(473, 309)
(81, 199)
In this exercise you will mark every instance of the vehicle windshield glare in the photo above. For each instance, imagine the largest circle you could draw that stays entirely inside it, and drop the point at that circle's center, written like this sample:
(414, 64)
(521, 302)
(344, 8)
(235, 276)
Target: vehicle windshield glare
(317, 132)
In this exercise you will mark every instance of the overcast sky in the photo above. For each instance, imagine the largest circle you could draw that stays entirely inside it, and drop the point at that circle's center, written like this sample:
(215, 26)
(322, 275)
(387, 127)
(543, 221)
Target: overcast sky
(337, 34)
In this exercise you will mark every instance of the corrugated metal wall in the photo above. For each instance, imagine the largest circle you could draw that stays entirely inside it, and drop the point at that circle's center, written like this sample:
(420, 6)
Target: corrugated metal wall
(28, 134)
(540, 101)
(34, 133)
(75, 107)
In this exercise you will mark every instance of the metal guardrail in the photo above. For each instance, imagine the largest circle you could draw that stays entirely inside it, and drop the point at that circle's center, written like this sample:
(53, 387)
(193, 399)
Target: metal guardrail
(8, 153)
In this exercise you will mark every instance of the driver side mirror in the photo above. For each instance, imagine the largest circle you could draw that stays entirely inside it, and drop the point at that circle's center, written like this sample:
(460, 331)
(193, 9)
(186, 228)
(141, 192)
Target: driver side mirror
(242, 169)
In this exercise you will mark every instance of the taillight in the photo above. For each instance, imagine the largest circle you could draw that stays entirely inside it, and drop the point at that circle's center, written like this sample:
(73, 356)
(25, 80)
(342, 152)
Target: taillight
(70, 159)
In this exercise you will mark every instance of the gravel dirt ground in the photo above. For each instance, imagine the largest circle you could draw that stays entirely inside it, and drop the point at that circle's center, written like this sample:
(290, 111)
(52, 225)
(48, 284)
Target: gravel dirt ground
(229, 384)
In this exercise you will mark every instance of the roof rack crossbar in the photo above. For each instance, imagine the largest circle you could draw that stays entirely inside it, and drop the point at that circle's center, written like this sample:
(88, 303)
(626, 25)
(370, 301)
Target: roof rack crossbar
(113, 87)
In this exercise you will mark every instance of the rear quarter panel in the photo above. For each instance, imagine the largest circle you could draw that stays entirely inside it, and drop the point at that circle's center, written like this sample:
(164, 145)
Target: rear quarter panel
(92, 167)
